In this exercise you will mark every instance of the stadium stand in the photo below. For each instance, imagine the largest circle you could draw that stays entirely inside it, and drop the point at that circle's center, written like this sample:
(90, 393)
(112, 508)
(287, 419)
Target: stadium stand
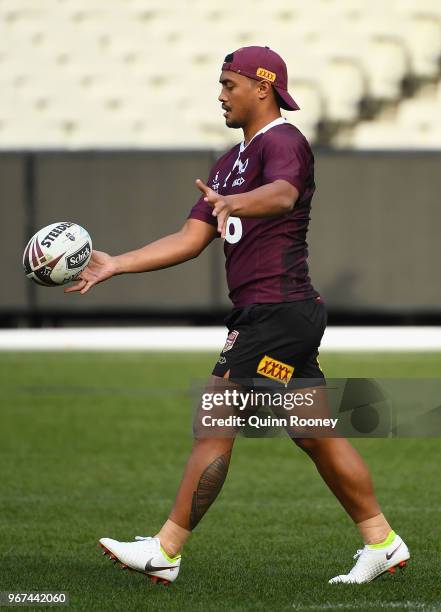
(415, 123)
(143, 73)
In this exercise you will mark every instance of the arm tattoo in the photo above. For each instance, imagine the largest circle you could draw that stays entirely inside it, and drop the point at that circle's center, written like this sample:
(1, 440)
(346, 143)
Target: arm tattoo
(209, 485)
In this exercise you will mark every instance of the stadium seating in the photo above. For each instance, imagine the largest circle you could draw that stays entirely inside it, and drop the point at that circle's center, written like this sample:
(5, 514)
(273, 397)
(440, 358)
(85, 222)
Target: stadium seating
(143, 73)
(415, 124)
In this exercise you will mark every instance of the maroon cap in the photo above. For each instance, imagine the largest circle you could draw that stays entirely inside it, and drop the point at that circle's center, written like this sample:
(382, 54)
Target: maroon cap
(261, 63)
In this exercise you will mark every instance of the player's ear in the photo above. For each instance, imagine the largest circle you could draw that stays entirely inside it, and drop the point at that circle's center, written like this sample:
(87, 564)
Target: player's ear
(263, 89)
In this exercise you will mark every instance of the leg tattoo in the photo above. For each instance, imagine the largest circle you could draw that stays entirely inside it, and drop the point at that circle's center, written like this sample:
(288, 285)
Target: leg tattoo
(210, 483)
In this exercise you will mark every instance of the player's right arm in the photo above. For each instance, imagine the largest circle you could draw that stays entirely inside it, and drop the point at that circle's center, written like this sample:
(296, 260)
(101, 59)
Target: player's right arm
(169, 251)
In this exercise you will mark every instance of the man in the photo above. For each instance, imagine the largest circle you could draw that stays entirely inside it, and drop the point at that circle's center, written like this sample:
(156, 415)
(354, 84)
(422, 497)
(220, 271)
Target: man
(258, 198)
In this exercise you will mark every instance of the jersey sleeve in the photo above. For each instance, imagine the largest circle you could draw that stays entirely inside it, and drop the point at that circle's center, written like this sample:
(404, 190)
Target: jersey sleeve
(202, 210)
(287, 157)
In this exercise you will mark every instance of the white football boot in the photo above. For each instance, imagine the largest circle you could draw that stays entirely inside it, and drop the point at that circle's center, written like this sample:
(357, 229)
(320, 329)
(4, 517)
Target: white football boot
(372, 562)
(145, 555)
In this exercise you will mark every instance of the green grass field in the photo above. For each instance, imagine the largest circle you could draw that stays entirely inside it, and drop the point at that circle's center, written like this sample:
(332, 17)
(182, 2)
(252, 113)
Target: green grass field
(94, 445)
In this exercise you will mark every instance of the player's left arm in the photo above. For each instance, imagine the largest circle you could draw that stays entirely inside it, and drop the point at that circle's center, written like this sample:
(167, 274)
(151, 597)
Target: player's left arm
(270, 200)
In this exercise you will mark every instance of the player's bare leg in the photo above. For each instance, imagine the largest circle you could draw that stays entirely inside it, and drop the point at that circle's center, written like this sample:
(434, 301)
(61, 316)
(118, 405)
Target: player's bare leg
(203, 478)
(205, 472)
(201, 483)
(342, 469)
(348, 477)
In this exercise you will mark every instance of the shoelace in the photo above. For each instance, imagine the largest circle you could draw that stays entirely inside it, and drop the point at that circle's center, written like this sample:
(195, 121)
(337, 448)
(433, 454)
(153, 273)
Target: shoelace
(358, 553)
(138, 538)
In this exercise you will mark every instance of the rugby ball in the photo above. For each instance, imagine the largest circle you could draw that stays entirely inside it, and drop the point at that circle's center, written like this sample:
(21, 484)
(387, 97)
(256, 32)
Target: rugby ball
(57, 254)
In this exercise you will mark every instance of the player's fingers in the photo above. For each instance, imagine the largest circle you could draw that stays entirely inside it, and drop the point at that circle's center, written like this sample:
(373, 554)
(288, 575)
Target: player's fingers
(210, 196)
(202, 186)
(89, 285)
(219, 207)
(222, 224)
(77, 287)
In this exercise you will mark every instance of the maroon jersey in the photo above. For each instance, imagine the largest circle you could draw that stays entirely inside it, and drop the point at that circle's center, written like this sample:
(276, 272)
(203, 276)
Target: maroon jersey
(266, 259)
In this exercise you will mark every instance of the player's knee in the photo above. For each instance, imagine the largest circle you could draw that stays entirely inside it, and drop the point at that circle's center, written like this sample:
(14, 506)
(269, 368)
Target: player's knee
(309, 445)
(221, 446)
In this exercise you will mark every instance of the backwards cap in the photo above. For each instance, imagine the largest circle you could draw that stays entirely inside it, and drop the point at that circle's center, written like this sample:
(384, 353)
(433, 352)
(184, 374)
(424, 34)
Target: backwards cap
(262, 63)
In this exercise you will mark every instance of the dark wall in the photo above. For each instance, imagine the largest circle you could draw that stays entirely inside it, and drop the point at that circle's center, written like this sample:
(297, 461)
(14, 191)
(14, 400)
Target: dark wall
(375, 230)
(125, 202)
(14, 285)
(374, 237)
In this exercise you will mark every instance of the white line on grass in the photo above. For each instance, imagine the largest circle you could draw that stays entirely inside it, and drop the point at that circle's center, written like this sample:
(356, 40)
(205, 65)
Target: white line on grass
(208, 339)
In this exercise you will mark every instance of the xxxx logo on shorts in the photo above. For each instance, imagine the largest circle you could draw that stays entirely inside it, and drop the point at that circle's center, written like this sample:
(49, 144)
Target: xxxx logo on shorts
(231, 339)
(276, 370)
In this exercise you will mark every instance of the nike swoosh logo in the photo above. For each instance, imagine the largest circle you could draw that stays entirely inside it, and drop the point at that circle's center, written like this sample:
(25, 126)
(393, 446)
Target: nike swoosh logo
(151, 568)
(390, 555)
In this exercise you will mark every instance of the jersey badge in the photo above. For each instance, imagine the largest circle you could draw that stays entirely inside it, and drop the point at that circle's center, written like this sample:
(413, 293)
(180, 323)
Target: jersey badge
(242, 166)
(231, 339)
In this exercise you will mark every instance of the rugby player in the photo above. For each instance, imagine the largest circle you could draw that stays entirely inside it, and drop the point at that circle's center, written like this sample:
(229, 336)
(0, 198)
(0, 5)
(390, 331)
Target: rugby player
(258, 199)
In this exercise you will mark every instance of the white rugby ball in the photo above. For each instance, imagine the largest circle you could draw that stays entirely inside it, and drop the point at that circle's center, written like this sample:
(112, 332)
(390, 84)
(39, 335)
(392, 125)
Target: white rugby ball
(57, 253)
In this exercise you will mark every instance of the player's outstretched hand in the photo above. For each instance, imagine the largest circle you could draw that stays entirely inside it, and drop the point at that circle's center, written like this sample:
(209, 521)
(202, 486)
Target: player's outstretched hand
(221, 206)
(100, 268)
